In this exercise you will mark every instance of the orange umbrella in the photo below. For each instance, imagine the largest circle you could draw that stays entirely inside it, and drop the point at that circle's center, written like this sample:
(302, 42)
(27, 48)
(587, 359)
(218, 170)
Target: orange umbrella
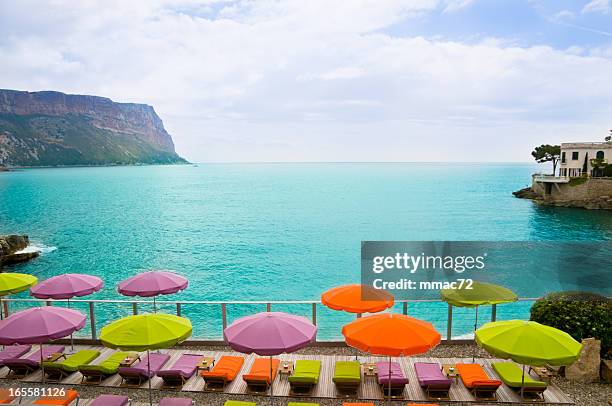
(357, 299)
(391, 334)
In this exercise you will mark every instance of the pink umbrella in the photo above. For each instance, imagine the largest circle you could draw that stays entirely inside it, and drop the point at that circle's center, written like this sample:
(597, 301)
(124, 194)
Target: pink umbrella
(153, 283)
(39, 325)
(270, 333)
(67, 286)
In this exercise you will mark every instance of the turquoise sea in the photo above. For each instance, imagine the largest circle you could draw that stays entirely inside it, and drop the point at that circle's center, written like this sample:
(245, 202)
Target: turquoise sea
(269, 231)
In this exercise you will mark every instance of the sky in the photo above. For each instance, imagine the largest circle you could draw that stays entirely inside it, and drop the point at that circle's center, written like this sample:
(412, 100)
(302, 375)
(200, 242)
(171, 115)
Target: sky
(330, 80)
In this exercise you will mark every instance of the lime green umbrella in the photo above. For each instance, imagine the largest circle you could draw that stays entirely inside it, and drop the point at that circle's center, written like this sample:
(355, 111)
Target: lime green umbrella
(146, 332)
(528, 342)
(478, 294)
(14, 283)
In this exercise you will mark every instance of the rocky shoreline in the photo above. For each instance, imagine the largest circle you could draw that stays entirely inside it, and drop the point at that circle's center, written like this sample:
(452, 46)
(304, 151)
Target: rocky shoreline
(595, 203)
(10, 247)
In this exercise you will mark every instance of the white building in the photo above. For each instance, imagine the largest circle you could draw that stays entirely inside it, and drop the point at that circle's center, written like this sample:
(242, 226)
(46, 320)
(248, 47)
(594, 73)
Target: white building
(576, 158)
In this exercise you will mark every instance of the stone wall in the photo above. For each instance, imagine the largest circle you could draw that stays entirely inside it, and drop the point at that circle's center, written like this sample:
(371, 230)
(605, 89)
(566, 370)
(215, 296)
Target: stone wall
(592, 194)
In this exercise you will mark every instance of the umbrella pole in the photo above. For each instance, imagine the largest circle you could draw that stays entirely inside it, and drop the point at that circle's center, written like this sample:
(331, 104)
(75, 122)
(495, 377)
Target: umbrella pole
(150, 377)
(475, 328)
(42, 366)
(271, 384)
(389, 384)
(71, 338)
(154, 305)
(523, 383)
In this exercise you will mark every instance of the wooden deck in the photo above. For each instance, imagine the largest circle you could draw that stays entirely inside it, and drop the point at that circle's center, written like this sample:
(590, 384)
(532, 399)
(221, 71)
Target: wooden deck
(369, 389)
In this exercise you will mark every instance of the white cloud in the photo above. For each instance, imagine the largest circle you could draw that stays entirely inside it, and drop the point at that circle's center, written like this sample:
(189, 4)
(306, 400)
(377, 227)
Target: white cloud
(308, 80)
(598, 6)
(563, 15)
(456, 5)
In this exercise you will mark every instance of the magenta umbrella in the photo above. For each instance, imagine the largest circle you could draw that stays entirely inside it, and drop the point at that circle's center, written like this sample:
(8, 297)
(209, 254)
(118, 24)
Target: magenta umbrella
(40, 325)
(153, 283)
(268, 334)
(67, 286)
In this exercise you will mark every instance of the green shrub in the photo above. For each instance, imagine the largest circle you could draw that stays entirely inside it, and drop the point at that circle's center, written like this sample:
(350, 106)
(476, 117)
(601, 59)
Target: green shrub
(608, 170)
(580, 314)
(577, 181)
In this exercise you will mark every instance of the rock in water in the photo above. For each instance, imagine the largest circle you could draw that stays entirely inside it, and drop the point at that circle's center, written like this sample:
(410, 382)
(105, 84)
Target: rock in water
(57, 129)
(10, 245)
(586, 369)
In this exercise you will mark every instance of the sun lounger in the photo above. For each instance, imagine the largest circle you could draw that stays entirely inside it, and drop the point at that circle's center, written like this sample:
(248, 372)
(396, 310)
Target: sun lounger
(176, 402)
(238, 403)
(422, 404)
(258, 378)
(180, 372)
(21, 367)
(110, 400)
(358, 404)
(347, 377)
(432, 380)
(302, 404)
(305, 376)
(478, 382)
(397, 381)
(59, 370)
(511, 374)
(13, 351)
(139, 373)
(96, 373)
(223, 372)
(70, 398)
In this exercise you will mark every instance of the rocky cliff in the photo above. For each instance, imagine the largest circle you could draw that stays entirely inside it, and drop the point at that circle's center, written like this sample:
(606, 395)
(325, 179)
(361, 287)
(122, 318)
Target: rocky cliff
(53, 128)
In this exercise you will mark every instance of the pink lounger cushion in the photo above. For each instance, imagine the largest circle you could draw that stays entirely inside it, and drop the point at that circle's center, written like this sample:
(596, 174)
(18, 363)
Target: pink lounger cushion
(13, 351)
(33, 359)
(430, 374)
(185, 366)
(140, 369)
(111, 400)
(397, 375)
(176, 402)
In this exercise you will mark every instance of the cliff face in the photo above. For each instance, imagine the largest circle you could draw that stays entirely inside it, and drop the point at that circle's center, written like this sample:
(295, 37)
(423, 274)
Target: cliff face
(53, 128)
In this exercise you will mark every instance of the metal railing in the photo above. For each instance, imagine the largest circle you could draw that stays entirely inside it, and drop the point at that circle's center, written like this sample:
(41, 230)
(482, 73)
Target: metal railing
(456, 322)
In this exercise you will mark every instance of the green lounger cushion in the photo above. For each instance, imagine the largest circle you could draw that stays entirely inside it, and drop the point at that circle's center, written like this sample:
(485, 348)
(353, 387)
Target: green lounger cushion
(238, 403)
(74, 361)
(306, 371)
(511, 375)
(110, 365)
(302, 404)
(347, 372)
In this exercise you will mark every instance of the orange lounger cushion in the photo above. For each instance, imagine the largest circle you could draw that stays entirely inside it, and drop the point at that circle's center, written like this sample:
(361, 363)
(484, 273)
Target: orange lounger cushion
(66, 400)
(260, 370)
(473, 376)
(227, 368)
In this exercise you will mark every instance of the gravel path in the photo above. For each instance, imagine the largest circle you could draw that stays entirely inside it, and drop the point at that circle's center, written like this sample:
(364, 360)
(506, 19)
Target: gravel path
(583, 394)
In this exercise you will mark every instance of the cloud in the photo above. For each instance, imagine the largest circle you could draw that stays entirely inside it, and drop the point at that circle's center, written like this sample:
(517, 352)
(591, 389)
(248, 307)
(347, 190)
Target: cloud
(456, 5)
(563, 15)
(308, 80)
(598, 6)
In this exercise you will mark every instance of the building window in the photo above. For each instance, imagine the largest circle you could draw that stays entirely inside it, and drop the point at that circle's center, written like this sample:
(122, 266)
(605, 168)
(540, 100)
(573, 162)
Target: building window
(563, 157)
(575, 156)
(600, 155)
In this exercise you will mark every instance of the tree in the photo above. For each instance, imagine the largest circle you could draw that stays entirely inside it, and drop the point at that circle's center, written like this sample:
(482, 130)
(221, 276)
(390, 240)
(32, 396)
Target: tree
(547, 153)
(609, 137)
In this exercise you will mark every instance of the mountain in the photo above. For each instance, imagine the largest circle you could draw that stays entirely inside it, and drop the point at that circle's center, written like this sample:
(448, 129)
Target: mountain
(52, 128)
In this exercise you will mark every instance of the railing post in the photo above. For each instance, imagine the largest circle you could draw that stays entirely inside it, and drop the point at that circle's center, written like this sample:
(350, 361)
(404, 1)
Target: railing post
(49, 303)
(314, 314)
(405, 310)
(92, 320)
(494, 313)
(178, 309)
(268, 307)
(224, 315)
(134, 308)
(449, 323)
(6, 308)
